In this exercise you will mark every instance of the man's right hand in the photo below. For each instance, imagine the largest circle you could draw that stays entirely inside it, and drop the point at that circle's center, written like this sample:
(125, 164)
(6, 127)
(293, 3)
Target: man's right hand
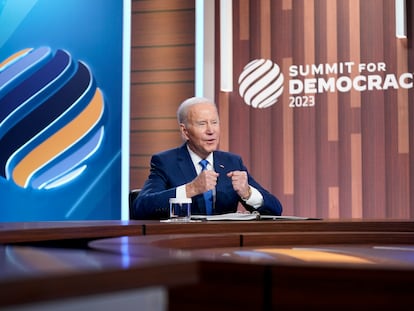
(206, 180)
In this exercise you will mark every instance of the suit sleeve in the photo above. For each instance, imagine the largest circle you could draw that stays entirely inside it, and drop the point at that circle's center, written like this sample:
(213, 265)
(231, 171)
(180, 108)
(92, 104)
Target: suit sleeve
(153, 200)
(271, 204)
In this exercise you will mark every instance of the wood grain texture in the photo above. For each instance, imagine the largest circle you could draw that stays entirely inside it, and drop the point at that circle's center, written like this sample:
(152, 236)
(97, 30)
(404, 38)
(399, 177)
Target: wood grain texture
(162, 76)
(349, 156)
(348, 151)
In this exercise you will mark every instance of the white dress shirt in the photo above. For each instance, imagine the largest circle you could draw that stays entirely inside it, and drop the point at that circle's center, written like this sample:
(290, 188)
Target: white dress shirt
(255, 200)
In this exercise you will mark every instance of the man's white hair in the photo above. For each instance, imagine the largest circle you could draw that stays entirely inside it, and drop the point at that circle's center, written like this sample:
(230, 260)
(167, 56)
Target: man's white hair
(185, 105)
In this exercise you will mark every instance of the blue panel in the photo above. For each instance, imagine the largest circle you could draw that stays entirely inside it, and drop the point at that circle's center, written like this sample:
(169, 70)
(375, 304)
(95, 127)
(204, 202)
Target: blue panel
(74, 49)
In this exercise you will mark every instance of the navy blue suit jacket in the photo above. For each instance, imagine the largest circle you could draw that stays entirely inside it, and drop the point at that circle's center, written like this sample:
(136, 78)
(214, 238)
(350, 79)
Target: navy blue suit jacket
(173, 168)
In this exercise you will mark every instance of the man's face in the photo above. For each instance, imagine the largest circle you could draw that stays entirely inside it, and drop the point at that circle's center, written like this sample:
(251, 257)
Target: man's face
(203, 129)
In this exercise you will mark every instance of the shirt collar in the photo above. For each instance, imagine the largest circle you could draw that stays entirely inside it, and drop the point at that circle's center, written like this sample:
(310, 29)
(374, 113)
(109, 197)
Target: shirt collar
(196, 159)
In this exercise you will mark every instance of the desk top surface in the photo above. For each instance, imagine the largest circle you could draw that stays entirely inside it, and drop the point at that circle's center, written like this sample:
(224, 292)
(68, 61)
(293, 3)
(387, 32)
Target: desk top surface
(22, 232)
(257, 249)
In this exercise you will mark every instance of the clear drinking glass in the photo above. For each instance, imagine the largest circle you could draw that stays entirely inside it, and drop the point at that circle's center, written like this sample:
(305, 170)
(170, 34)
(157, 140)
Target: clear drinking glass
(180, 209)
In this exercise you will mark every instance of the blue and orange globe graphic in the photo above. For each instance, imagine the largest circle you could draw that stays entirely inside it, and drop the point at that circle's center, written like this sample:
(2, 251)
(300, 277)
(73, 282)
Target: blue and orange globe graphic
(51, 118)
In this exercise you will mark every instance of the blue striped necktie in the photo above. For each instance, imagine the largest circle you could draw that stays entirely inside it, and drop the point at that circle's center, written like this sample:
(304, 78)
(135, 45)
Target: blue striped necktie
(208, 195)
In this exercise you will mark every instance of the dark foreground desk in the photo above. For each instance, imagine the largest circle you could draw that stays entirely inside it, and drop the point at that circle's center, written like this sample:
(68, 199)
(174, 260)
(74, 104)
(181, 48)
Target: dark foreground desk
(285, 270)
(263, 265)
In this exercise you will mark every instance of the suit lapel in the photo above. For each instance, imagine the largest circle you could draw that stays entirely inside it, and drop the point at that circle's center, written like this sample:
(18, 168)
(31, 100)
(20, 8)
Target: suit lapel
(219, 166)
(184, 162)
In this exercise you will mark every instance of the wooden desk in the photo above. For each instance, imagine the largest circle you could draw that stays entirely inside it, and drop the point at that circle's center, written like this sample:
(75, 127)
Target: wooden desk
(224, 265)
(285, 270)
(37, 275)
(154, 227)
(27, 232)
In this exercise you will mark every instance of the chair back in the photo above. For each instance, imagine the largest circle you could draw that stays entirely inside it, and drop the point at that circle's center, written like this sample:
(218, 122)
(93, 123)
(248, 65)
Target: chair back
(133, 194)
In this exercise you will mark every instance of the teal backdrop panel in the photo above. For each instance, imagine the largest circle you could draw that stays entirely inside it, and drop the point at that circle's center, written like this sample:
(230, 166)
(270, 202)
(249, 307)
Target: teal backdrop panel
(60, 109)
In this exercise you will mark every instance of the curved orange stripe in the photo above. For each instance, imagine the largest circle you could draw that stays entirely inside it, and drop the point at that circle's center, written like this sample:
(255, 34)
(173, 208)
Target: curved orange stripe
(14, 56)
(59, 141)
(317, 255)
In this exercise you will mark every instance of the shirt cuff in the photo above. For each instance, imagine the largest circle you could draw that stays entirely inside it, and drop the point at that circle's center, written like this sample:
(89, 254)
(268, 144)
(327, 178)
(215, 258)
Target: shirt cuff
(256, 198)
(180, 192)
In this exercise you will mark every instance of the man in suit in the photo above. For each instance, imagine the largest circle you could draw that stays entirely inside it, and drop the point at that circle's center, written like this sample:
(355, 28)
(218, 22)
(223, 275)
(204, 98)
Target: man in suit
(178, 172)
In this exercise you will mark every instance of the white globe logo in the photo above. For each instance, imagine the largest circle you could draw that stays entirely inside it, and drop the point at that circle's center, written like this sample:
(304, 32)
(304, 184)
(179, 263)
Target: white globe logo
(261, 83)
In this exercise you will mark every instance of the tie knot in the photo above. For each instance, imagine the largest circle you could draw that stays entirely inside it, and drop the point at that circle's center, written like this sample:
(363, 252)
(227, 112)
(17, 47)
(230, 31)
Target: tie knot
(203, 164)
